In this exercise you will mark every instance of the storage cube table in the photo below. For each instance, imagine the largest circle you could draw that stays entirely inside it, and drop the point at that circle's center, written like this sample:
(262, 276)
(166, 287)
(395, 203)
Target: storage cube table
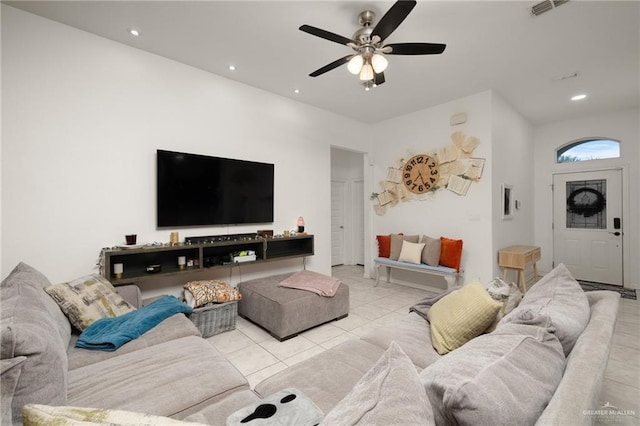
(214, 318)
(285, 312)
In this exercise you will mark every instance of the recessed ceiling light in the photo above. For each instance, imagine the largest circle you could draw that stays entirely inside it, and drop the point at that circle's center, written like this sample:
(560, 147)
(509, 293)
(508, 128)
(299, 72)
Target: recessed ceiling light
(232, 67)
(134, 32)
(578, 97)
(296, 91)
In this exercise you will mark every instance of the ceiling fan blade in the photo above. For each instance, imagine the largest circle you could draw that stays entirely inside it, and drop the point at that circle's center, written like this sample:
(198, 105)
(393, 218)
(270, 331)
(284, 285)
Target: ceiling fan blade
(415, 48)
(326, 35)
(393, 18)
(378, 78)
(332, 65)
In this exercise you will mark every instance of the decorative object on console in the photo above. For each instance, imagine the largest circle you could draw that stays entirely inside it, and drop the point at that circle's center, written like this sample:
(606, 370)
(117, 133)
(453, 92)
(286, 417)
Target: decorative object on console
(182, 261)
(174, 239)
(154, 269)
(118, 269)
(300, 224)
(454, 165)
(131, 239)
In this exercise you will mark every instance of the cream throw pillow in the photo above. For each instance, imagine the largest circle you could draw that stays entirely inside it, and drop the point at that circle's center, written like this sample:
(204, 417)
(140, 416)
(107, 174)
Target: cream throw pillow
(460, 316)
(411, 252)
(87, 299)
(36, 415)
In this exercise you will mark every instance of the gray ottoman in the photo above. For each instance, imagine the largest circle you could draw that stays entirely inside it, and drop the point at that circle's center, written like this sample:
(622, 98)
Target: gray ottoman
(285, 312)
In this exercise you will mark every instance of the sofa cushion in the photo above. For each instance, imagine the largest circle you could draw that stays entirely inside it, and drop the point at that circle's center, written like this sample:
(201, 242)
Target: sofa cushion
(87, 299)
(217, 412)
(411, 252)
(559, 296)
(396, 244)
(327, 377)
(389, 393)
(10, 370)
(384, 245)
(411, 333)
(174, 327)
(174, 379)
(431, 251)
(34, 327)
(450, 253)
(36, 415)
(460, 316)
(503, 378)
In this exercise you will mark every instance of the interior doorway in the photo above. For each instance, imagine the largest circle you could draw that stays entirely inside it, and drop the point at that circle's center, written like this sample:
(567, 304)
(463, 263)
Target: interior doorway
(347, 207)
(588, 227)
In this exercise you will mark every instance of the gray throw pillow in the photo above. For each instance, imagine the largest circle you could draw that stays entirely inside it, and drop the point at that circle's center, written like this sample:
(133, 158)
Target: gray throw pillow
(396, 244)
(431, 251)
(503, 378)
(559, 296)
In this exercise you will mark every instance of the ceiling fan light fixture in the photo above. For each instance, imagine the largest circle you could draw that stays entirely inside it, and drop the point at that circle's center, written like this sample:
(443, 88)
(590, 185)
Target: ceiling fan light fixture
(367, 72)
(355, 64)
(379, 63)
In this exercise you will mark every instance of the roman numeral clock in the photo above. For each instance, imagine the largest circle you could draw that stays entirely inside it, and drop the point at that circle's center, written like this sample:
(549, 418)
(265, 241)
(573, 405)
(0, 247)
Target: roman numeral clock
(420, 173)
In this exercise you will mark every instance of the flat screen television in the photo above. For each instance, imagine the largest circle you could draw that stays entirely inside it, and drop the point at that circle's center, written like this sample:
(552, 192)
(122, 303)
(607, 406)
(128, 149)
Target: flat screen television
(199, 190)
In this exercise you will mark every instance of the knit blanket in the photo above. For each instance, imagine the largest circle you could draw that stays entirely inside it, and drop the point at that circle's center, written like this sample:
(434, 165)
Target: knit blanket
(108, 334)
(312, 281)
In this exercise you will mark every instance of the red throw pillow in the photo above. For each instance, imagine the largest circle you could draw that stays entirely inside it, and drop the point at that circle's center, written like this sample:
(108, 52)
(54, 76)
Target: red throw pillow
(450, 253)
(384, 245)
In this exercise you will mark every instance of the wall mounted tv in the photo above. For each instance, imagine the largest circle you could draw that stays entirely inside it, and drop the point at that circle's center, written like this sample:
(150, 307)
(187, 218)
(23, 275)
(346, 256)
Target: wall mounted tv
(198, 190)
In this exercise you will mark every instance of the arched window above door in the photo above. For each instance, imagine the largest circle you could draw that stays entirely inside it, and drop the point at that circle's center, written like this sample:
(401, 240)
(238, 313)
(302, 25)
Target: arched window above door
(588, 149)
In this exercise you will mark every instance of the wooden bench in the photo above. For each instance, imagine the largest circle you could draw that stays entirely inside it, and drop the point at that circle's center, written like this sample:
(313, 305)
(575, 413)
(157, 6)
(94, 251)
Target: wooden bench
(451, 275)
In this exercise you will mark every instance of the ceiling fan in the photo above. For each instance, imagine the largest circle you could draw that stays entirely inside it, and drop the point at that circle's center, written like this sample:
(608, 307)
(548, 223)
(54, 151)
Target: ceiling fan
(368, 61)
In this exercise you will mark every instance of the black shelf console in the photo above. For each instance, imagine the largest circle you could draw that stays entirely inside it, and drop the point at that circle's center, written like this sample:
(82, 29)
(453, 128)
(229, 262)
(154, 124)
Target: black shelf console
(200, 254)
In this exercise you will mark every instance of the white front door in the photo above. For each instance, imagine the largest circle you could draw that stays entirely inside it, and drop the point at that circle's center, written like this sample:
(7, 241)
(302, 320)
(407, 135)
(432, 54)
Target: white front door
(337, 222)
(588, 224)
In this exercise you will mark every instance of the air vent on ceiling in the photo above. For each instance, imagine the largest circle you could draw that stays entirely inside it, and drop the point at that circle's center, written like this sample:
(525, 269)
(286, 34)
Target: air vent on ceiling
(545, 6)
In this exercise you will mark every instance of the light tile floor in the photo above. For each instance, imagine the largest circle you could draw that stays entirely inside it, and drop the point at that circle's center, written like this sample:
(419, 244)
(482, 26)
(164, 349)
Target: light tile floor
(258, 355)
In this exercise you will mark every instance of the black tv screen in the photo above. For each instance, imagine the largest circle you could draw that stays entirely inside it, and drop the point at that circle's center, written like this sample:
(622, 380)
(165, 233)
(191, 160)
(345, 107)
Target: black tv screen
(198, 190)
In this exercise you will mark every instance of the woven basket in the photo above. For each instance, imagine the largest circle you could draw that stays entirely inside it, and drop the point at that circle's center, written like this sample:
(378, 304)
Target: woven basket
(215, 318)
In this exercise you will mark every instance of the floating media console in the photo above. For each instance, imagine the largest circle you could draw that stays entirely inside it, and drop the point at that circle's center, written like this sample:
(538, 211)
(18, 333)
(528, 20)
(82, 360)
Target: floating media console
(200, 254)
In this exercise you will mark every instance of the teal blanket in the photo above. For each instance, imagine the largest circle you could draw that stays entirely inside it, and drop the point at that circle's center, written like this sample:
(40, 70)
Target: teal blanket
(108, 334)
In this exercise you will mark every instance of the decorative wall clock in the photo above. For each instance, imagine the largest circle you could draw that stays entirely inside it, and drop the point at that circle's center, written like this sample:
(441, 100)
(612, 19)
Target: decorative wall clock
(420, 173)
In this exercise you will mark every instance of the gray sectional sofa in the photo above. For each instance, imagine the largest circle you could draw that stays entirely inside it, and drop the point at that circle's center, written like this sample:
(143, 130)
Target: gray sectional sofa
(170, 371)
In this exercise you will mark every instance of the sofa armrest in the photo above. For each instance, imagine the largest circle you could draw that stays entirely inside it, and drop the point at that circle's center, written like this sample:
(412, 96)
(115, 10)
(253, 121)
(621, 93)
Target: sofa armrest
(130, 293)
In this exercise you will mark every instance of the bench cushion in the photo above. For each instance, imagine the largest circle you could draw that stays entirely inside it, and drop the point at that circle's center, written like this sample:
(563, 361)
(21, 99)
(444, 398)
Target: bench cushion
(398, 264)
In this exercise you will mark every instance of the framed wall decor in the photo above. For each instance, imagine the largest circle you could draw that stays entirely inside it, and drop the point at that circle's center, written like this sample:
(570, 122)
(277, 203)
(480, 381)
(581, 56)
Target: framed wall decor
(507, 201)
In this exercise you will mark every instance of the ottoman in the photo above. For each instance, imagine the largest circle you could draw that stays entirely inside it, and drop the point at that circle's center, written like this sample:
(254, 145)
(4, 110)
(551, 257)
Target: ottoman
(285, 312)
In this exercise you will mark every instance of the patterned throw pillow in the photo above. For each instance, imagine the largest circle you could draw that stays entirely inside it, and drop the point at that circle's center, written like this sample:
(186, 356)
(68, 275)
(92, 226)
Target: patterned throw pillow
(506, 293)
(199, 293)
(87, 299)
(35, 414)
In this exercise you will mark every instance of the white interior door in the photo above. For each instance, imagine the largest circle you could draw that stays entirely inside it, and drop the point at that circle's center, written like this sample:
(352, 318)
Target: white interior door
(588, 225)
(358, 222)
(337, 222)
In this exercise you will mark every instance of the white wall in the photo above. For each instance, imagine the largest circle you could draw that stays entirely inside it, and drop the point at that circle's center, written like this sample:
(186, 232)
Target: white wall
(462, 217)
(511, 159)
(83, 117)
(620, 125)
